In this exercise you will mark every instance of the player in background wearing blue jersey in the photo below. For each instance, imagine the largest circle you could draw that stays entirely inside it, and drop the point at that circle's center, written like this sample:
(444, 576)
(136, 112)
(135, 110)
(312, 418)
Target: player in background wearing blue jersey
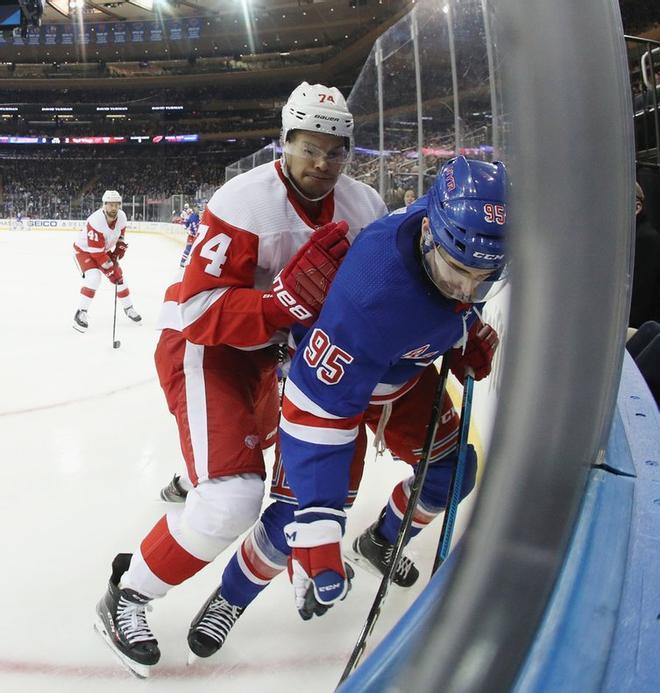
(191, 224)
(410, 289)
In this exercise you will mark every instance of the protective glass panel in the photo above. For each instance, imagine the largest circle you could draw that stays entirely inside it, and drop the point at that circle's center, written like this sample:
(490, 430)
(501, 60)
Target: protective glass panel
(268, 153)
(425, 94)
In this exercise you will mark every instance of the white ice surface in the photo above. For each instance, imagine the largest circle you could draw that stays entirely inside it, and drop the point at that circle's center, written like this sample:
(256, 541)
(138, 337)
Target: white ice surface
(86, 443)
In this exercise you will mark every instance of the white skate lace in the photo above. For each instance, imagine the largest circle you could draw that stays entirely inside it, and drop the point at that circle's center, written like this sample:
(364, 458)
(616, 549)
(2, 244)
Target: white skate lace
(218, 620)
(405, 564)
(132, 621)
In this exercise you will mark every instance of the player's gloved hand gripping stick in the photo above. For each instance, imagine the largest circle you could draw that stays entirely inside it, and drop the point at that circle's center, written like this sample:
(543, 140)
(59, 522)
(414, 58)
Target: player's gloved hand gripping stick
(120, 249)
(482, 341)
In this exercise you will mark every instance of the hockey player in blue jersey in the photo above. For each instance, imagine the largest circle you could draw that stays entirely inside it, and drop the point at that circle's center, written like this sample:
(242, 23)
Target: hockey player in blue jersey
(191, 224)
(410, 289)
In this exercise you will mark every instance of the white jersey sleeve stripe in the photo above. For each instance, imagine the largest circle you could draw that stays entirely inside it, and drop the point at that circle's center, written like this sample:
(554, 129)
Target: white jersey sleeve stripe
(196, 306)
(170, 317)
(320, 436)
(196, 407)
(301, 401)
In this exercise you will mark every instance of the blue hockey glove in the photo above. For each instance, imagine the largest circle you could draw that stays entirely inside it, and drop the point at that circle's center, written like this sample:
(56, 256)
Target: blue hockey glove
(316, 567)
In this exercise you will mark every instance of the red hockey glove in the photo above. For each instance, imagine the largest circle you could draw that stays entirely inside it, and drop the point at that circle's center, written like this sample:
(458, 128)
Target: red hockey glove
(112, 270)
(115, 275)
(120, 249)
(299, 290)
(316, 569)
(481, 344)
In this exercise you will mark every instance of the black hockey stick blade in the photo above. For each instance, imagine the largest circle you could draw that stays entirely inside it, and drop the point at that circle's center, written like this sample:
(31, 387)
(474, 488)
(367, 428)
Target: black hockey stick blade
(404, 529)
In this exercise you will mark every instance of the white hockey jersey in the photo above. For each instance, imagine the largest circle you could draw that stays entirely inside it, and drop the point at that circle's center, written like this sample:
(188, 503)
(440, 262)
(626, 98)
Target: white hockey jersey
(98, 236)
(252, 226)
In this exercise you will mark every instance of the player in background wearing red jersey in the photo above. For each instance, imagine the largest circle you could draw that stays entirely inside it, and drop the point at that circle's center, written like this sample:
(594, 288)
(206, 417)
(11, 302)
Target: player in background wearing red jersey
(269, 243)
(99, 247)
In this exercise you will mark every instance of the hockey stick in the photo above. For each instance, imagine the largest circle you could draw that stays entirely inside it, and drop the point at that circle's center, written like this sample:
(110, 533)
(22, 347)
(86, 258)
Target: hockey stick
(78, 267)
(115, 342)
(404, 529)
(454, 495)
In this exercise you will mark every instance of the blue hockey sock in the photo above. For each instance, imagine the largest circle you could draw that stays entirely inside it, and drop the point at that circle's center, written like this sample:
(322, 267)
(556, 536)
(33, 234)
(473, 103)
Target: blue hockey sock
(390, 523)
(261, 557)
(236, 588)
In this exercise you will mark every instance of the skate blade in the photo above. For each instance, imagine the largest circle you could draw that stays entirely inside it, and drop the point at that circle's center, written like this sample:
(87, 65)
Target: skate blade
(77, 328)
(192, 658)
(142, 671)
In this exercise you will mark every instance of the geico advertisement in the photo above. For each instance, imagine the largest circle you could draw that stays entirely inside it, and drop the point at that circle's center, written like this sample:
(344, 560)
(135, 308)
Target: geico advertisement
(77, 224)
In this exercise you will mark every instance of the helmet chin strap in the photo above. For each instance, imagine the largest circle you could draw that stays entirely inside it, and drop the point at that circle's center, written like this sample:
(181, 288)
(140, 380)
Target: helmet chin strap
(285, 171)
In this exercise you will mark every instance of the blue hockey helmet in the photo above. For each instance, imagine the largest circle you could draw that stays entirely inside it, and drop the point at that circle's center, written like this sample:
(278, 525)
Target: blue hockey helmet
(467, 225)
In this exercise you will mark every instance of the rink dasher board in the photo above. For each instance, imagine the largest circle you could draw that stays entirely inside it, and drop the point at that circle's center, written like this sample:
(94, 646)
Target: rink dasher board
(155, 227)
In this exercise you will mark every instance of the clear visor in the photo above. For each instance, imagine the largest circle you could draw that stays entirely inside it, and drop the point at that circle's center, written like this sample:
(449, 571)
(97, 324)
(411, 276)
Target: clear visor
(337, 156)
(456, 281)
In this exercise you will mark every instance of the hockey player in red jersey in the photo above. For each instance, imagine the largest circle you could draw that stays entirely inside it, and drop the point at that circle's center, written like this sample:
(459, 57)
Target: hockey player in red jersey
(99, 247)
(268, 246)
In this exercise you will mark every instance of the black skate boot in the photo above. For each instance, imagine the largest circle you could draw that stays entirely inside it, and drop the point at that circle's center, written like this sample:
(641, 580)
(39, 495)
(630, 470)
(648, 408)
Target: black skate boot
(210, 627)
(80, 321)
(373, 552)
(122, 623)
(133, 314)
(174, 492)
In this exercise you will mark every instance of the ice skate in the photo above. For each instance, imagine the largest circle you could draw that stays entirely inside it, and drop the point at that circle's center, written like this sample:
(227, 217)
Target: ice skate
(210, 627)
(174, 492)
(133, 314)
(80, 321)
(373, 552)
(121, 621)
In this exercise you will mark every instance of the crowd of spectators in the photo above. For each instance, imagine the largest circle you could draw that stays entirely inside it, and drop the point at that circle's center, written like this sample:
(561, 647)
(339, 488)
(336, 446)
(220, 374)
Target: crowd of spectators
(402, 163)
(128, 127)
(53, 182)
(150, 68)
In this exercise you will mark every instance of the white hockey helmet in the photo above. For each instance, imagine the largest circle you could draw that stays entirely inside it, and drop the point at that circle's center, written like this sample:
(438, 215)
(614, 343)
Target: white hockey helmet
(317, 108)
(111, 196)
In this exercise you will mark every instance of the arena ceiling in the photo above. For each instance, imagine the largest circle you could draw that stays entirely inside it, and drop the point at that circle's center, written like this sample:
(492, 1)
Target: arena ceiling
(92, 30)
(148, 10)
(97, 30)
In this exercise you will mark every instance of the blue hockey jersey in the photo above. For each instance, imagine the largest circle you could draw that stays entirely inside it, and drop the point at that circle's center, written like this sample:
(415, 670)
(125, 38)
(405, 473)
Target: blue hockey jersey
(382, 324)
(192, 223)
